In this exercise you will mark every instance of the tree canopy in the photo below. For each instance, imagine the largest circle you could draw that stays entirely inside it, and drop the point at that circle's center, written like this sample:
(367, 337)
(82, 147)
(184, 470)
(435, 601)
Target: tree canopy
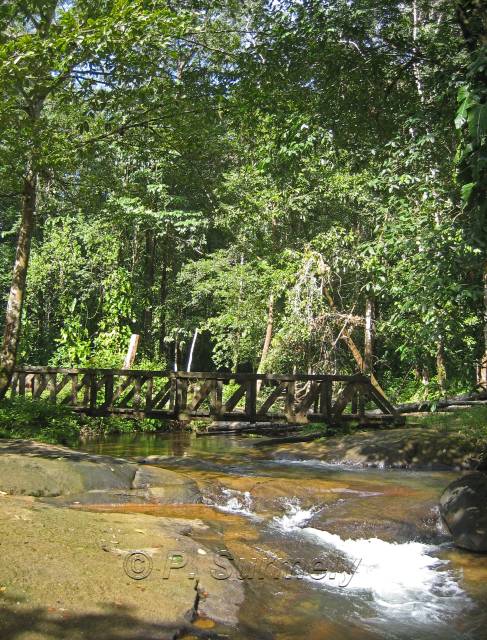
(250, 178)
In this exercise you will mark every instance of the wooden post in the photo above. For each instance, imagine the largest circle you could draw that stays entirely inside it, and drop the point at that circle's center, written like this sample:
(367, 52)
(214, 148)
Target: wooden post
(22, 383)
(181, 399)
(251, 400)
(93, 390)
(132, 351)
(148, 395)
(216, 399)
(290, 399)
(326, 399)
(137, 392)
(108, 390)
(51, 385)
(74, 389)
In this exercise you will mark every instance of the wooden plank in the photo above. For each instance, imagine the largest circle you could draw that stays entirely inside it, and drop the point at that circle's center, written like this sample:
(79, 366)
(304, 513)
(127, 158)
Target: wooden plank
(207, 375)
(308, 400)
(271, 399)
(137, 382)
(199, 396)
(235, 398)
(62, 383)
(343, 399)
(122, 387)
(162, 396)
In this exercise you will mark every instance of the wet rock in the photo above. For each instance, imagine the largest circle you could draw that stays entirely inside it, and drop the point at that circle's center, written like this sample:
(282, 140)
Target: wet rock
(409, 448)
(463, 507)
(165, 486)
(31, 468)
(68, 573)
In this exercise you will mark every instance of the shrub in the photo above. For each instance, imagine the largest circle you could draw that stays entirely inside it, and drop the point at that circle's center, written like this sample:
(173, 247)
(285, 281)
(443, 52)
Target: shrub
(47, 422)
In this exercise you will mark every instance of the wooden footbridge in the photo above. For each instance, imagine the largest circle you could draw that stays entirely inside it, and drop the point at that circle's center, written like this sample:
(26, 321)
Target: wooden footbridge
(242, 397)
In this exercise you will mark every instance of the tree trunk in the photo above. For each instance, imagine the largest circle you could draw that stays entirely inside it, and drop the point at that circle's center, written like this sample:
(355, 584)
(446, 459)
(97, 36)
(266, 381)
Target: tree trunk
(162, 300)
(268, 334)
(347, 338)
(131, 351)
(13, 315)
(441, 365)
(369, 336)
(483, 364)
(191, 350)
(150, 246)
(176, 352)
(267, 338)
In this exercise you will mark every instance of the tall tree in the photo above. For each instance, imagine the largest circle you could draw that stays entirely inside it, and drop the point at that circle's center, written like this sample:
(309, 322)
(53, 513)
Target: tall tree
(92, 55)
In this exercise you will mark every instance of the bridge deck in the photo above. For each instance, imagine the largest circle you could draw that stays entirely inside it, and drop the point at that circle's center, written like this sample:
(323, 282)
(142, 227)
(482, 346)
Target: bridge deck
(243, 397)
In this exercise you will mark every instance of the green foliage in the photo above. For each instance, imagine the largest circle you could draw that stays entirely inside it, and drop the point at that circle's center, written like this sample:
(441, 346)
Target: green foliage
(199, 161)
(20, 418)
(470, 424)
(46, 422)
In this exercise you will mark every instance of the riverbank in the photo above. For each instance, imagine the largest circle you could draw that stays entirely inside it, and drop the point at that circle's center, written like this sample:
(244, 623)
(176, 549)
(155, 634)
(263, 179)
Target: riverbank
(69, 572)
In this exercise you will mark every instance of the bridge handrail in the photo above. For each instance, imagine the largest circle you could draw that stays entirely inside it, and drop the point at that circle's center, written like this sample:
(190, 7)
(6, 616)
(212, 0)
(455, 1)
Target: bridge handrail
(208, 375)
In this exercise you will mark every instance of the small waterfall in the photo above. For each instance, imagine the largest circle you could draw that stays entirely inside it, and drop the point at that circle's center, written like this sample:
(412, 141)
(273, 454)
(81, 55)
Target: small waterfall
(233, 501)
(405, 583)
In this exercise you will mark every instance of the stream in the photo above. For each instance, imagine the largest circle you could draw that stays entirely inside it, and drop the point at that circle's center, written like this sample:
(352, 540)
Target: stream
(325, 551)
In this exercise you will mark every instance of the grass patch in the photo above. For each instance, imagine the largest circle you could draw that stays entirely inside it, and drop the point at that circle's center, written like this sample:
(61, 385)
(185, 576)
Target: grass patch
(470, 423)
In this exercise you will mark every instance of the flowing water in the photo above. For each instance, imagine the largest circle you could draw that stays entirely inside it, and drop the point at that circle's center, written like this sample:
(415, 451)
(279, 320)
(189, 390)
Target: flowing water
(324, 551)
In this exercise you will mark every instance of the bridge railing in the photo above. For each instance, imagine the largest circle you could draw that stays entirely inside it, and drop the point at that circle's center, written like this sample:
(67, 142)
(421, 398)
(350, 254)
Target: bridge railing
(221, 396)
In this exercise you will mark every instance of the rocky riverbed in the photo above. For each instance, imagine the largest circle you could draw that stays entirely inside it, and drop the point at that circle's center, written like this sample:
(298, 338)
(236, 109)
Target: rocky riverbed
(96, 545)
(66, 572)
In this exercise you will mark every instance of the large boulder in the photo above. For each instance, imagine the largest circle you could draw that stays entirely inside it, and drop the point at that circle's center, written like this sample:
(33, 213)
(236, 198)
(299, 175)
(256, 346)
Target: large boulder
(463, 507)
(53, 472)
(408, 448)
(68, 573)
